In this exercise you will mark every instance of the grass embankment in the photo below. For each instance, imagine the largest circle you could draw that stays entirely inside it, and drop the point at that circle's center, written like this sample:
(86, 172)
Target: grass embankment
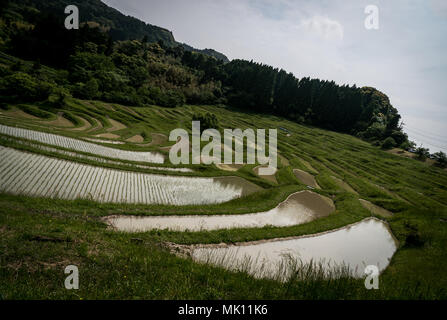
(39, 237)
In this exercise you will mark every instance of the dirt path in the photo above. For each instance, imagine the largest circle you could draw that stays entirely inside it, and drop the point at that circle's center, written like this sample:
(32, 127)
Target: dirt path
(306, 178)
(375, 209)
(17, 113)
(344, 185)
(284, 160)
(108, 136)
(115, 125)
(97, 127)
(60, 121)
(157, 139)
(307, 165)
(136, 139)
(130, 110)
(85, 126)
(271, 178)
(229, 167)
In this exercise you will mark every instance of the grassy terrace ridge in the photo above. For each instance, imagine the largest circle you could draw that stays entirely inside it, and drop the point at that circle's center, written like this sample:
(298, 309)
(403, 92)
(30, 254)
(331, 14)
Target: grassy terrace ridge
(39, 237)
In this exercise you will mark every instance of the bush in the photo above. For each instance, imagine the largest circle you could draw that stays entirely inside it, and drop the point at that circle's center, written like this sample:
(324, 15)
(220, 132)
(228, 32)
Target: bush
(207, 121)
(58, 97)
(408, 145)
(171, 99)
(375, 131)
(19, 84)
(399, 137)
(24, 87)
(388, 143)
(88, 90)
(422, 153)
(441, 159)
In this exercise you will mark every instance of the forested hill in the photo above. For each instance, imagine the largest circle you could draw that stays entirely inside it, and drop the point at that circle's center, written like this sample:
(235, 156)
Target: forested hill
(118, 25)
(90, 64)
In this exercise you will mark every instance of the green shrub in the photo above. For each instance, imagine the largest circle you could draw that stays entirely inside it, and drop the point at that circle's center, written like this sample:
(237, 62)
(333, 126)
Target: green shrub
(58, 97)
(388, 143)
(207, 121)
(441, 159)
(422, 153)
(24, 87)
(32, 110)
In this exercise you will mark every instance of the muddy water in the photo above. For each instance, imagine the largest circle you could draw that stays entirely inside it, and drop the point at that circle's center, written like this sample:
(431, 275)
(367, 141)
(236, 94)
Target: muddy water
(306, 178)
(246, 186)
(368, 242)
(298, 208)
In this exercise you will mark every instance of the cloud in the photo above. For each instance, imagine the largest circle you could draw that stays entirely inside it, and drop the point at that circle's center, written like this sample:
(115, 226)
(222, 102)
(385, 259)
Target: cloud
(325, 39)
(439, 7)
(324, 27)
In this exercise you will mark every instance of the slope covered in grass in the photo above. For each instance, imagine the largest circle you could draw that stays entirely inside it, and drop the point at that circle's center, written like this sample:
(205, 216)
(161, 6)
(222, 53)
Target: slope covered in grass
(39, 236)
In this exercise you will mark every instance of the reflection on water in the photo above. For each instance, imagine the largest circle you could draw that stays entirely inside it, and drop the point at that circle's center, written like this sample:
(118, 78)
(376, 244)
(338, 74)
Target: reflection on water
(368, 242)
(298, 208)
(237, 182)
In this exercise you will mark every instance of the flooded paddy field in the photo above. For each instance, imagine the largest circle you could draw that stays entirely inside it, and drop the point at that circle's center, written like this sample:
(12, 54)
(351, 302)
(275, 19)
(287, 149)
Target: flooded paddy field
(356, 246)
(82, 146)
(36, 175)
(298, 208)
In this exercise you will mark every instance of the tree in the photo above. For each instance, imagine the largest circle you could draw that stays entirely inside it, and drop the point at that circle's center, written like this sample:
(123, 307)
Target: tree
(388, 143)
(422, 153)
(207, 121)
(91, 89)
(59, 96)
(24, 87)
(408, 145)
(441, 159)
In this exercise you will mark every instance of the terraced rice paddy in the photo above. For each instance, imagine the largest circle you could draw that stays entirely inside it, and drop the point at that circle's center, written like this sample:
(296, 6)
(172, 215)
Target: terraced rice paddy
(97, 159)
(298, 208)
(104, 141)
(368, 242)
(36, 175)
(136, 139)
(262, 242)
(306, 178)
(270, 177)
(375, 209)
(82, 146)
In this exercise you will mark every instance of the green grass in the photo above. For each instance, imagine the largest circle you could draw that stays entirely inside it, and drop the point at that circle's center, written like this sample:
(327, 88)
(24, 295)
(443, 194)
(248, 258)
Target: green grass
(112, 265)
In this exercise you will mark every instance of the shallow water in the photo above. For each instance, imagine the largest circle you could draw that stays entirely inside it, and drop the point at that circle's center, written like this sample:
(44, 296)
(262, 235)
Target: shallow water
(306, 178)
(24, 173)
(298, 208)
(81, 146)
(368, 242)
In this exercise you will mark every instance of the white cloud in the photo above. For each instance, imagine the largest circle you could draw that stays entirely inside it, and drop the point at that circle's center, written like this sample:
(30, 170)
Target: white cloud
(324, 27)
(324, 39)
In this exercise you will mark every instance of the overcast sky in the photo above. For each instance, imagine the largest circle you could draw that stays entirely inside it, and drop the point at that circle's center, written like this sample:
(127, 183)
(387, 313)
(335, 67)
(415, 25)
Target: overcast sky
(405, 58)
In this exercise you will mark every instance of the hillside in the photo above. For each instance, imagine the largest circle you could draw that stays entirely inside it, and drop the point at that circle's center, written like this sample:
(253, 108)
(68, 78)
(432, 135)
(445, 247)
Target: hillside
(87, 176)
(93, 64)
(118, 25)
(411, 196)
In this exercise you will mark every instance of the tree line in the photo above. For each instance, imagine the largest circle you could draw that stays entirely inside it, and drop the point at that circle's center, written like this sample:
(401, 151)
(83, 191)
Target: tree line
(89, 64)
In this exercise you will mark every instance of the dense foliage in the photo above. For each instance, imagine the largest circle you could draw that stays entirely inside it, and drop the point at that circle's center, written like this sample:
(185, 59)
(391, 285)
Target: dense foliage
(118, 26)
(93, 63)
